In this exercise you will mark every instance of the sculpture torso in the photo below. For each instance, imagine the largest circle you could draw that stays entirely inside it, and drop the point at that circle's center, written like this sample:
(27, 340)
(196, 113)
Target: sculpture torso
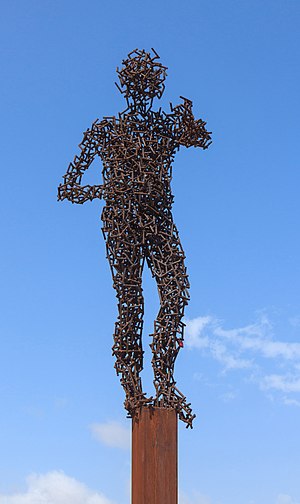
(137, 153)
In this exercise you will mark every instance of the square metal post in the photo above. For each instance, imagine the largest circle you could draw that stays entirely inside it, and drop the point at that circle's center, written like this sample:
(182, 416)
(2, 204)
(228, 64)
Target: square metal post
(155, 456)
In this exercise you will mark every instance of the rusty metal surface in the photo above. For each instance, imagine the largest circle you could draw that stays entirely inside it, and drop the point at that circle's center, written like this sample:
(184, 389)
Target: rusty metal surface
(137, 149)
(154, 457)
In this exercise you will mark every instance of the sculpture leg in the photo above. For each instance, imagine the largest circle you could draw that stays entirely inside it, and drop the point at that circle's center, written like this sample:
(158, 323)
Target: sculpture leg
(165, 258)
(126, 262)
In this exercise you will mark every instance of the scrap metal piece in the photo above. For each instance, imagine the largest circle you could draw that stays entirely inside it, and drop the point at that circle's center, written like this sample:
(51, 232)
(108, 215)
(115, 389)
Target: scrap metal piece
(137, 149)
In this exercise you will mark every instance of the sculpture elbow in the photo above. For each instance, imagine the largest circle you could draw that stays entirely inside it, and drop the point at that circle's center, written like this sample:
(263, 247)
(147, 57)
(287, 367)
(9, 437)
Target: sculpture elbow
(65, 191)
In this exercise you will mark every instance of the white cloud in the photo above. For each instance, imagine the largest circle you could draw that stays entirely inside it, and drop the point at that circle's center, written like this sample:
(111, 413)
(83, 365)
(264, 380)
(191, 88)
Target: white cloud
(284, 383)
(250, 347)
(229, 361)
(291, 402)
(111, 434)
(195, 499)
(195, 331)
(256, 338)
(286, 499)
(228, 396)
(54, 488)
(202, 333)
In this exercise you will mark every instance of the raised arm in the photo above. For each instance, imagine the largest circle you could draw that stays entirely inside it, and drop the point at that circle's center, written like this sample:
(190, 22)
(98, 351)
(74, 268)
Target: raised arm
(186, 130)
(72, 189)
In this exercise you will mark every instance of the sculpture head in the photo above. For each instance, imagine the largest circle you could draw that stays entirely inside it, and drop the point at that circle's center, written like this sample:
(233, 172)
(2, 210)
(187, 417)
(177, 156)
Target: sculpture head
(141, 79)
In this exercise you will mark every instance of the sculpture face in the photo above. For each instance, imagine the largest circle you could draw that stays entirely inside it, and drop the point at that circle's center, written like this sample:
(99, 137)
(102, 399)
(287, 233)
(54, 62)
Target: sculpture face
(141, 78)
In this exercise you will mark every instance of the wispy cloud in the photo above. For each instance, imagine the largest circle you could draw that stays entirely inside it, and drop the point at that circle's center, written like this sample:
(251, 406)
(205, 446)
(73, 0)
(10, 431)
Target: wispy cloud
(285, 383)
(196, 498)
(112, 434)
(291, 402)
(202, 334)
(228, 359)
(286, 499)
(196, 331)
(228, 396)
(251, 347)
(258, 338)
(295, 321)
(55, 488)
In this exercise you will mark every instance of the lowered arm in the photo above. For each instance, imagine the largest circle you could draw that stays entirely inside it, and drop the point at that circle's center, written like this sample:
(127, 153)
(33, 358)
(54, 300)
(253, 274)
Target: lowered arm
(72, 189)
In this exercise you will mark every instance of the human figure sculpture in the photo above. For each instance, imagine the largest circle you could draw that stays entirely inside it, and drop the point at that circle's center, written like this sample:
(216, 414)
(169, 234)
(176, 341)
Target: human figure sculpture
(137, 149)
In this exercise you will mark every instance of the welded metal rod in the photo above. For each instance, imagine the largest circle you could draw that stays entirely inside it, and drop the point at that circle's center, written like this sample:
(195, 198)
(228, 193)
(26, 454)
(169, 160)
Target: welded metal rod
(137, 149)
(155, 456)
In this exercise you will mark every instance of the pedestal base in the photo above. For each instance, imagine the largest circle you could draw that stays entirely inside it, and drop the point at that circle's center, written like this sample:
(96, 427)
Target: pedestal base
(154, 457)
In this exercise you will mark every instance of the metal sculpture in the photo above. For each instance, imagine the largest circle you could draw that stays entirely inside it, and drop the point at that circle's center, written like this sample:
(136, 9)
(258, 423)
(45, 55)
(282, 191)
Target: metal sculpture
(137, 149)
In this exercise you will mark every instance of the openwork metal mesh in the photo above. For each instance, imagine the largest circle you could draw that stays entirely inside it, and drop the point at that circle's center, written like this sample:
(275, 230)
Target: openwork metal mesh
(137, 149)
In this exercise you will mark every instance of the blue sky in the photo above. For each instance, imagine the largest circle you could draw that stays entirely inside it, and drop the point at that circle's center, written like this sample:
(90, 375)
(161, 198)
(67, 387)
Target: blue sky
(63, 433)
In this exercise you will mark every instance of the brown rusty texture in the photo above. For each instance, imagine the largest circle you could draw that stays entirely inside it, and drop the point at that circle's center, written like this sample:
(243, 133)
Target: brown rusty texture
(137, 149)
(155, 457)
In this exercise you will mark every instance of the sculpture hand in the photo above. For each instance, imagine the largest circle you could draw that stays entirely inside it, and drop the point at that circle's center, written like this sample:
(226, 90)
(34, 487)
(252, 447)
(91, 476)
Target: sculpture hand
(191, 132)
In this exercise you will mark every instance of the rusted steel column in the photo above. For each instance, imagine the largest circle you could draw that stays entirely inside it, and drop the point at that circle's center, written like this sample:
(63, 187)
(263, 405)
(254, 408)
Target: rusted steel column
(154, 457)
